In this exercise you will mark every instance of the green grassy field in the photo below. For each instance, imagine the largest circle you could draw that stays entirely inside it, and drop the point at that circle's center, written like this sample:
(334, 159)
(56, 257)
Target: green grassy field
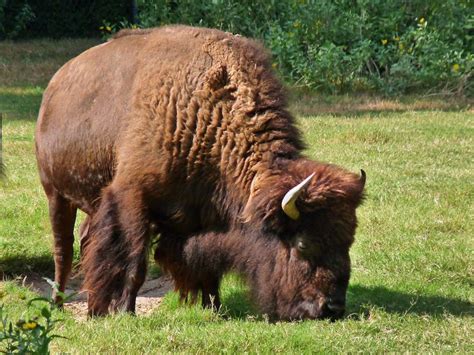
(411, 286)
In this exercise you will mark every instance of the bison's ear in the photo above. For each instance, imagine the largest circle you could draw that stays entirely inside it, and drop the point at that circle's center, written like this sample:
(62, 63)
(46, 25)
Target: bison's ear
(332, 189)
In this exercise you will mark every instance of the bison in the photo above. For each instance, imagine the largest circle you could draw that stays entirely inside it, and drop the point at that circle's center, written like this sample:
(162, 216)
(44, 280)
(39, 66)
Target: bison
(183, 132)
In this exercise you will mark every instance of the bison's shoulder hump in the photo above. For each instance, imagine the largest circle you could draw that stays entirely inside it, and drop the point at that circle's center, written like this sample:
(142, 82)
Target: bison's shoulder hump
(226, 40)
(132, 32)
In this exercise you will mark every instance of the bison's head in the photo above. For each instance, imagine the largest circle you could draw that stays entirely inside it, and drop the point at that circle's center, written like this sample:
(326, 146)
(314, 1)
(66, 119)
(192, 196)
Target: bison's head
(315, 221)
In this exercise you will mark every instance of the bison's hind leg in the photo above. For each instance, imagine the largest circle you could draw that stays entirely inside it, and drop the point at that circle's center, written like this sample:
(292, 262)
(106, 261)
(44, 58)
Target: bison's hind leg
(63, 216)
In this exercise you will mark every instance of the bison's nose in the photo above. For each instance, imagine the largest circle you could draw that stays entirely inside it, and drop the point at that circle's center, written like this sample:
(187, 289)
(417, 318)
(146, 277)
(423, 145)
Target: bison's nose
(334, 309)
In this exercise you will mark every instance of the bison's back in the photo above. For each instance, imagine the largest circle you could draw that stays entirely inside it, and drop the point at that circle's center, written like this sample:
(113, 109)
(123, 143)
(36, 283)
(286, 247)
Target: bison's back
(83, 112)
(175, 102)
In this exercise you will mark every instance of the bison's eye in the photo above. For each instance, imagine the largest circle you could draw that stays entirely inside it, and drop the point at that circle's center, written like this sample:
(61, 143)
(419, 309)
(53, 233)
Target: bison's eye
(306, 248)
(301, 246)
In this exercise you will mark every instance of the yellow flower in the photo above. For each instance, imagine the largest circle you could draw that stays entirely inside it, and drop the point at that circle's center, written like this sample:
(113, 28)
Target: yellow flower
(401, 46)
(396, 38)
(456, 67)
(274, 65)
(384, 41)
(421, 20)
(101, 27)
(29, 325)
(108, 28)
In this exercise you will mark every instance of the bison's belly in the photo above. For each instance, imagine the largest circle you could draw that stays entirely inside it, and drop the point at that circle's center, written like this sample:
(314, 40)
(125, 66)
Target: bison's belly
(75, 174)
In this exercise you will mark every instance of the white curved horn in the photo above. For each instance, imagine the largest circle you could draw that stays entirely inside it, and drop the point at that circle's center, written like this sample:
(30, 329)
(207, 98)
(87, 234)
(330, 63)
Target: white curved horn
(288, 202)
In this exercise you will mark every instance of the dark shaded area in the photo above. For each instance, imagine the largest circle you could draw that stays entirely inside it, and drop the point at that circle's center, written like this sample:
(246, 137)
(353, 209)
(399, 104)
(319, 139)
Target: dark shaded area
(238, 305)
(362, 298)
(17, 265)
(11, 267)
(57, 19)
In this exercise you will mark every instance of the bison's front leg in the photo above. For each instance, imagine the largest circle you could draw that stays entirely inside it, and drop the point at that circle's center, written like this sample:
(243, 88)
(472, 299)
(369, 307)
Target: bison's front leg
(210, 293)
(115, 257)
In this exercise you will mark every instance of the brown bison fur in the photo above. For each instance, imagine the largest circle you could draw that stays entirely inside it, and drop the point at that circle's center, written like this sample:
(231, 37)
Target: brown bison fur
(186, 130)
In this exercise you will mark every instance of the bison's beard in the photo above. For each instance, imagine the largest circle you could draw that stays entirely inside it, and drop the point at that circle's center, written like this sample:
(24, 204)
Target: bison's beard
(282, 285)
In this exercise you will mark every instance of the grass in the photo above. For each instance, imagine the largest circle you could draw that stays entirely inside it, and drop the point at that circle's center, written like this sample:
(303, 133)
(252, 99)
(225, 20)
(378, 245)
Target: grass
(411, 286)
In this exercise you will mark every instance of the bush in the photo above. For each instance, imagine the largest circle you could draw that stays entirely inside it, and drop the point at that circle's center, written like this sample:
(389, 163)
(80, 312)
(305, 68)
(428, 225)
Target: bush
(391, 46)
(332, 46)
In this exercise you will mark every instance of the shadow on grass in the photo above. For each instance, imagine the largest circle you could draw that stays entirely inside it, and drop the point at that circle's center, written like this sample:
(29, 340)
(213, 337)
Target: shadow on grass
(362, 298)
(20, 103)
(238, 305)
(12, 267)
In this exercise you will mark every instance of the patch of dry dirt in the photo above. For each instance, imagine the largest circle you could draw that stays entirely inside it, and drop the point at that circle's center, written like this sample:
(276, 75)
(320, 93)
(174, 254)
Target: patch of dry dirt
(150, 296)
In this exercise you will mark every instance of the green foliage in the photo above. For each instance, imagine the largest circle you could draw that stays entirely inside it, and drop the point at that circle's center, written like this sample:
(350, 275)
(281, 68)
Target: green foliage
(332, 46)
(108, 29)
(32, 333)
(392, 47)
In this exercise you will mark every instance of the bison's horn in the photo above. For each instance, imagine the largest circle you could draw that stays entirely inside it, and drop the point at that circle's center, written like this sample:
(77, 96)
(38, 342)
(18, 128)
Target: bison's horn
(289, 201)
(362, 178)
